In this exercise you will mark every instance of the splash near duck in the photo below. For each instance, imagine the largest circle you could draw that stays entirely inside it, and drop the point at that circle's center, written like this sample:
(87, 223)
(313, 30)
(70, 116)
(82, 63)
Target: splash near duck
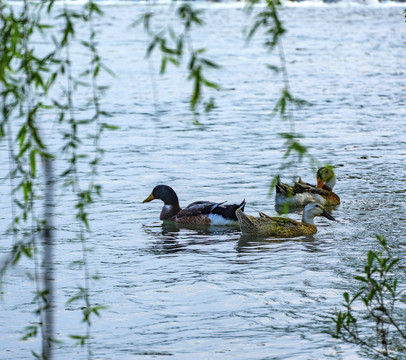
(265, 225)
(301, 193)
(196, 213)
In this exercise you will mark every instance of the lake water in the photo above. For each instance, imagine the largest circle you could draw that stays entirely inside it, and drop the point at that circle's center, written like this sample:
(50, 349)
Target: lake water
(181, 293)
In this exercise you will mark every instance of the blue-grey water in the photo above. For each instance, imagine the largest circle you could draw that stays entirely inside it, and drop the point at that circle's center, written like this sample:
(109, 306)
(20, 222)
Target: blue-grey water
(180, 293)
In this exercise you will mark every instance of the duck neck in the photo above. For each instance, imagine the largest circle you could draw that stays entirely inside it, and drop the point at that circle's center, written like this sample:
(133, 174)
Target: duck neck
(308, 219)
(331, 183)
(171, 204)
(169, 211)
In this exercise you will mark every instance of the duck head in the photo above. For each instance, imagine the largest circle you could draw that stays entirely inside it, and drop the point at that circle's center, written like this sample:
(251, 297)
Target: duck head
(170, 199)
(164, 193)
(312, 210)
(326, 176)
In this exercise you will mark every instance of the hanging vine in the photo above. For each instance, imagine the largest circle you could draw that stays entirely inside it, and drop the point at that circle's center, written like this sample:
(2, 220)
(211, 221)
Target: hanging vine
(268, 20)
(26, 79)
(174, 47)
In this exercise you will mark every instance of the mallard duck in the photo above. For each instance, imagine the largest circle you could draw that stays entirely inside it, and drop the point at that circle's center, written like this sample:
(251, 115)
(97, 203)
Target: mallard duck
(301, 193)
(280, 226)
(197, 213)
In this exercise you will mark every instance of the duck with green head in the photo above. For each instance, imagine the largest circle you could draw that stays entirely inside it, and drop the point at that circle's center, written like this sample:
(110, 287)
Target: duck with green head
(196, 213)
(301, 193)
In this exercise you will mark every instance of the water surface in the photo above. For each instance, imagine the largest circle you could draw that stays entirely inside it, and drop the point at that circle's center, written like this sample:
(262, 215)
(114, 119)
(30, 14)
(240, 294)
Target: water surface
(182, 293)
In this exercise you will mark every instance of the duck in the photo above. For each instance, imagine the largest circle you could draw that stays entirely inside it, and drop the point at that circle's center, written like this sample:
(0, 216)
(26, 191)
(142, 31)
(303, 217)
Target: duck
(196, 213)
(302, 193)
(265, 225)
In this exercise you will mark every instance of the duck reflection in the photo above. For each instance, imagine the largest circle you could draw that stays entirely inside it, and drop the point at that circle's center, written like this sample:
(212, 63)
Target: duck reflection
(171, 228)
(247, 242)
(170, 237)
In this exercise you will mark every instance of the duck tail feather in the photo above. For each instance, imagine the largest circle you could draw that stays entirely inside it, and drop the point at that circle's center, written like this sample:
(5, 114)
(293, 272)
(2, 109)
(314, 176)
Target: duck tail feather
(263, 215)
(279, 185)
(244, 221)
(242, 205)
(227, 211)
(216, 205)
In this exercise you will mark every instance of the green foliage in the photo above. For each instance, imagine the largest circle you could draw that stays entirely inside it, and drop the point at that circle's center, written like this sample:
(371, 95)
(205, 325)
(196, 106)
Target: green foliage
(174, 47)
(80, 339)
(30, 332)
(292, 144)
(269, 22)
(374, 316)
(26, 81)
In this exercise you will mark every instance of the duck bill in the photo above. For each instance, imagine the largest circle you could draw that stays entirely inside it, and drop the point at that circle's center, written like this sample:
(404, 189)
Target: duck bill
(149, 198)
(327, 215)
(320, 183)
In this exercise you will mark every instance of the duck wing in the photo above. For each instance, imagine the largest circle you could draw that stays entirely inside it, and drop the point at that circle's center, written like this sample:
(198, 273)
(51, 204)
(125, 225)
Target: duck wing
(197, 208)
(283, 222)
(282, 226)
(284, 189)
(228, 211)
(207, 207)
(276, 226)
(300, 188)
(276, 220)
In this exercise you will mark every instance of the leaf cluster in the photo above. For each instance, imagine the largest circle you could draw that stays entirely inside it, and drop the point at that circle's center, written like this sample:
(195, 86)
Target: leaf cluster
(26, 81)
(382, 307)
(269, 22)
(174, 47)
